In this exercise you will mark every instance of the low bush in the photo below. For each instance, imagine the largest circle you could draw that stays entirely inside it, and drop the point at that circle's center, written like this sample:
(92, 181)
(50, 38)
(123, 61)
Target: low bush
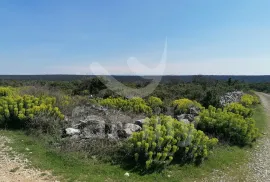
(64, 102)
(135, 104)
(6, 91)
(229, 126)
(44, 123)
(182, 106)
(156, 104)
(16, 110)
(249, 100)
(238, 108)
(164, 139)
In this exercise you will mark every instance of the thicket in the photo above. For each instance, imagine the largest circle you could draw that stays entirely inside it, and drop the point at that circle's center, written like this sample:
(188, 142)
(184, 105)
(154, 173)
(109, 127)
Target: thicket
(164, 139)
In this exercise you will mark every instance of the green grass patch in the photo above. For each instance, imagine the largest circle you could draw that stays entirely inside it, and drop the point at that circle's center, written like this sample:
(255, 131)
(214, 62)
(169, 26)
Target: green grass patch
(76, 167)
(260, 117)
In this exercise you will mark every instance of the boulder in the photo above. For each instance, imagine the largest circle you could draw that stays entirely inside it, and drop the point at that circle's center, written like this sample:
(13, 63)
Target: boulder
(93, 126)
(72, 131)
(194, 111)
(180, 117)
(185, 121)
(189, 117)
(112, 129)
(121, 134)
(98, 122)
(139, 122)
(132, 127)
(112, 137)
(117, 126)
(129, 128)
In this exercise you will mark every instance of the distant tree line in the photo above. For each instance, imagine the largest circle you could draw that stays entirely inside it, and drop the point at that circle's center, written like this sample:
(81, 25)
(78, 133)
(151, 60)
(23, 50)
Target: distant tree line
(205, 90)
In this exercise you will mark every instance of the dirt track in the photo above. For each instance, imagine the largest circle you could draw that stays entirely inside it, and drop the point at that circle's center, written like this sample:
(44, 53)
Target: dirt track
(260, 160)
(14, 167)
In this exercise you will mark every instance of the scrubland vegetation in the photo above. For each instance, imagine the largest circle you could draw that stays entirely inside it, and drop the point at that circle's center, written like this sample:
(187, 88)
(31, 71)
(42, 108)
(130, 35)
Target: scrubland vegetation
(39, 110)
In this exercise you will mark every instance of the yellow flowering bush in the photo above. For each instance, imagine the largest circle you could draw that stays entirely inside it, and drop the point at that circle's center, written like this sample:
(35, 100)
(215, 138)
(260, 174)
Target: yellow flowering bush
(15, 110)
(154, 102)
(164, 139)
(5, 91)
(228, 126)
(238, 108)
(182, 106)
(135, 104)
(249, 100)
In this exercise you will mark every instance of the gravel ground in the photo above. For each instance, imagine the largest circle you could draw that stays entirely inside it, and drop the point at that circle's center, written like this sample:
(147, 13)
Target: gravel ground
(14, 167)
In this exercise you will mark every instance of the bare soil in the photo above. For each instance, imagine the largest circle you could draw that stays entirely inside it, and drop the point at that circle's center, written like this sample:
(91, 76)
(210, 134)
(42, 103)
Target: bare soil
(16, 168)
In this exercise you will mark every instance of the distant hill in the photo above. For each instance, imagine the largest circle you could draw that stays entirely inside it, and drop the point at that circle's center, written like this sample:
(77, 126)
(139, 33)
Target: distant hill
(185, 78)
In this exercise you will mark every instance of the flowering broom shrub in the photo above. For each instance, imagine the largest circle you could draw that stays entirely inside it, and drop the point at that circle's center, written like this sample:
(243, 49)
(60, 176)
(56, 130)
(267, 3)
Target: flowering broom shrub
(229, 126)
(239, 109)
(182, 106)
(16, 110)
(249, 100)
(164, 139)
(135, 104)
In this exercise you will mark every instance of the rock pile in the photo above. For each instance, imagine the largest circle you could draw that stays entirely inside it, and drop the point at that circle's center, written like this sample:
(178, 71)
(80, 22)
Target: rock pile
(89, 122)
(230, 97)
(190, 116)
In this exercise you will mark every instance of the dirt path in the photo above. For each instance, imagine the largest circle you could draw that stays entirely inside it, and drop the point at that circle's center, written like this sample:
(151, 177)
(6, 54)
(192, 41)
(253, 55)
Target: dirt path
(14, 167)
(260, 159)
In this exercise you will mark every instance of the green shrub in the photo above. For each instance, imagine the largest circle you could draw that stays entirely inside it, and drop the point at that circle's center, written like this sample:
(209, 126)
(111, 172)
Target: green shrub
(228, 126)
(154, 102)
(135, 104)
(239, 109)
(182, 106)
(16, 110)
(164, 139)
(5, 91)
(249, 100)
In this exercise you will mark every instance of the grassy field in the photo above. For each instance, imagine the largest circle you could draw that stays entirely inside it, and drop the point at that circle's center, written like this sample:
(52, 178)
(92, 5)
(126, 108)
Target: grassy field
(75, 167)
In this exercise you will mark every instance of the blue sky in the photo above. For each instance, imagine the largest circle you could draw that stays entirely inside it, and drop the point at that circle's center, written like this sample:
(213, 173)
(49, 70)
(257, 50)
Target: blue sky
(67, 36)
